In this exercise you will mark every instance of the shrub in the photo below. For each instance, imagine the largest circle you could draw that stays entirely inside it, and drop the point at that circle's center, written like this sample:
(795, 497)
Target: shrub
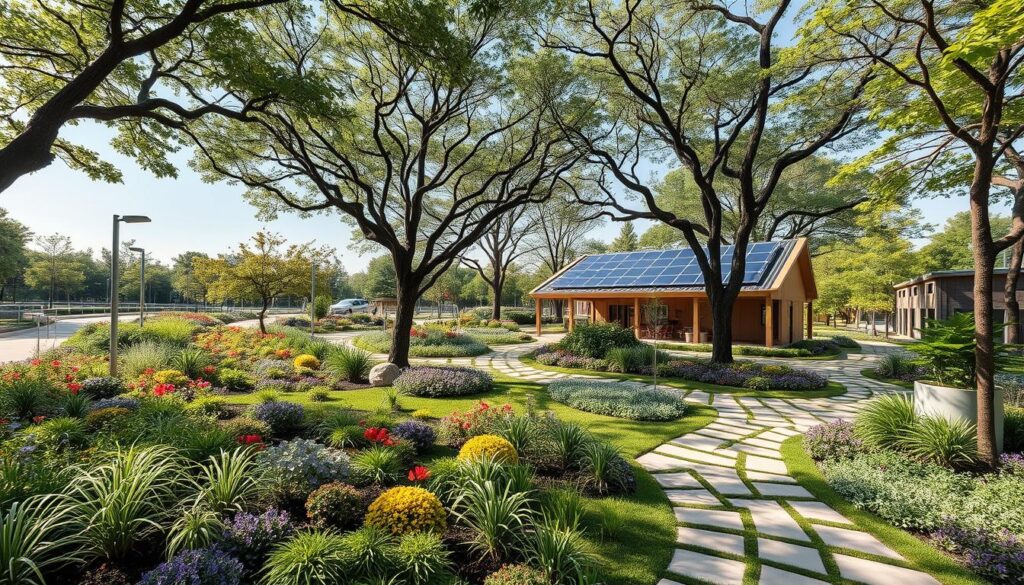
(147, 355)
(306, 361)
(191, 361)
(619, 400)
(1013, 429)
(562, 553)
(422, 414)
(213, 406)
(517, 575)
(33, 539)
(634, 359)
(942, 441)
(420, 435)
(296, 468)
(236, 380)
(173, 377)
(76, 405)
(832, 440)
(401, 510)
(607, 470)
(174, 331)
(737, 374)
(946, 348)
(243, 425)
(816, 347)
(283, 417)
(568, 442)
(204, 566)
(490, 447)
(334, 505)
(27, 398)
(421, 557)
(898, 366)
(996, 555)
(495, 515)
(377, 465)
(320, 394)
(349, 363)
(428, 344)
(594, 340)
(311, 557)
(435, 381)
(103, 418)
(886, 421)
(102, 387)
(250, 536)
(62, 433)
(268, 395)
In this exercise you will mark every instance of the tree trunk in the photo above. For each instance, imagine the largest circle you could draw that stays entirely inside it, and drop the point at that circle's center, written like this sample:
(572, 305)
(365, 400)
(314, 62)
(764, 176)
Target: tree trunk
(496, 291)
(722, 304)
(984, 264)
(874, 328)
(263, 313)
(1010, 293)
(400, 336)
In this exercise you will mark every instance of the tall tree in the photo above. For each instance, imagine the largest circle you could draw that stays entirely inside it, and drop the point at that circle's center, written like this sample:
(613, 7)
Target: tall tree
(951, 248)
(948, 74)
(118, 63)
(626, 241)
(437, 153)
(380, 280)
(502, 244)
(710, 87)
(14, 236)
(183, 277)
(262, 271)
(54, 265)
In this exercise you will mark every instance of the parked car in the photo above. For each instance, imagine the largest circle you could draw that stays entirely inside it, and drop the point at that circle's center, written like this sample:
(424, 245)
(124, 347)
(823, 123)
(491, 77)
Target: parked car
(349, 306)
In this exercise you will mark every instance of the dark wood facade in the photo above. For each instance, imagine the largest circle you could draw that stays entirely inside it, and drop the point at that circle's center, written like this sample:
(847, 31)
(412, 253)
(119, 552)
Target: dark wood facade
(939, 295)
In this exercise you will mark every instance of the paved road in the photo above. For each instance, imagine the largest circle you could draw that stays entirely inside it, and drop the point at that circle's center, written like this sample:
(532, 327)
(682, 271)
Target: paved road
(21, 345)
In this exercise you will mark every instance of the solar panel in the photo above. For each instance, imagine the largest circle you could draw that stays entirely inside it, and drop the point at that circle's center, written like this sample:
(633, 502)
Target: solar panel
(654, 268)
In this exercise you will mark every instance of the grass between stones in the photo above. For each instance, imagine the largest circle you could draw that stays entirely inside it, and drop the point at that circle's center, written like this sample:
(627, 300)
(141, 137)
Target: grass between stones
(920, 554)
(632, 536)
(871, 373)
(832, 389)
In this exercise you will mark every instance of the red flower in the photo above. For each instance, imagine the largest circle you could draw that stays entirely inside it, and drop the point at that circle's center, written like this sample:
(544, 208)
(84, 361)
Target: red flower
(379, 435)
(74, 368)
(484, 406)
(74, 387)
(36, 362)
(38, 419)
(69, 378)
(148, 372)
(419, 473)
(55, 363)
(209, 370)
(162, 389)
(252, 440)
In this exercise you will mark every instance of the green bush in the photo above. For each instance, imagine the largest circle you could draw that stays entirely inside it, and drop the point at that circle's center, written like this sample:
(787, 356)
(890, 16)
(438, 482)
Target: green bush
(634, 359)
(434, 344)
(595, 339)
(310, 557)
(213, 406)
(1013, 430)
(376, 465)
(174, 331)
(942, 441)
(349, 363)
(618, 399)
(947, 347)
(517, 575)
(335, 505)
(420, 558)
(26, 398)
(496, 336)
(236, 380)
(321, 306)
(886, 421)
(146, 355)
(243, 425)
(191, 361)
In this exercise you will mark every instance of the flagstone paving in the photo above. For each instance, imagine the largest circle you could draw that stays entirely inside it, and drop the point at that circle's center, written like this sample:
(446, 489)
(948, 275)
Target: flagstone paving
(742, 517)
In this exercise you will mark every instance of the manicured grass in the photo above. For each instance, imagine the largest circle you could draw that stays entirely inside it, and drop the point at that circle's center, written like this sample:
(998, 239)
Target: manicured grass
(871, 373)
(460, 346)
(831, 389)
(639, 535)
(920, 554)
(826, 332)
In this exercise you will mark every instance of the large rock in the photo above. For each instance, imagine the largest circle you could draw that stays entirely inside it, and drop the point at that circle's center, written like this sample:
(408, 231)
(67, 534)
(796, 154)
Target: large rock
(384, 374)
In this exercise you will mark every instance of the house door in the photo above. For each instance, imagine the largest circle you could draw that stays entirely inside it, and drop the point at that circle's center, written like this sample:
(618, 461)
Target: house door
(790, 338)
(621, 314)
(776, 317)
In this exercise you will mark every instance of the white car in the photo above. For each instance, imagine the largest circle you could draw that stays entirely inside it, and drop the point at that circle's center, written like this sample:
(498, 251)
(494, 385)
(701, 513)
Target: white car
(349, 306)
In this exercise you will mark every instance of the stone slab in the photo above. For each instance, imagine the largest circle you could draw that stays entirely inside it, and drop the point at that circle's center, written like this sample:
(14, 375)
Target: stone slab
(716, 518)
(819, 511)
(677, 480)
(773, 576)
(756, 463)
(782, 490)
(707, 568)
(684, 497)
(875, 573)
(855, 540)
(784, 553)
(723, 542)
(772, 519)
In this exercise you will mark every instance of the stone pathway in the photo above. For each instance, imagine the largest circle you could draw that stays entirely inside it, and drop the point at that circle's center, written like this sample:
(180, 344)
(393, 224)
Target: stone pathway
(742, 518)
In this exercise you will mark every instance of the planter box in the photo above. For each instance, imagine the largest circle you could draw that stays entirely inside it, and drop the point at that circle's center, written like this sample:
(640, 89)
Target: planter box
(954, 403)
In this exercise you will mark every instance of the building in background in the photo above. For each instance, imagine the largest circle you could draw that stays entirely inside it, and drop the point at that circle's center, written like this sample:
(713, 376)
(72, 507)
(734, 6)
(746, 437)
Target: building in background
(941, 294)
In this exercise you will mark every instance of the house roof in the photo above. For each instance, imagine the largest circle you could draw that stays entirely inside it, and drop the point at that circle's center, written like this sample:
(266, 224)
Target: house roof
(937, 274)
(651, 272)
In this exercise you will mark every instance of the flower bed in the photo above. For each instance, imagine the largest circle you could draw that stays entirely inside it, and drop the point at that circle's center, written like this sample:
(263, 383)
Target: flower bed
(435, 381)
(425, 343)
(617, 399)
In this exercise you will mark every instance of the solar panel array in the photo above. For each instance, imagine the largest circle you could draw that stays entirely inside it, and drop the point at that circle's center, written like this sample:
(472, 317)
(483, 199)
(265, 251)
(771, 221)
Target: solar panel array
(661, 268)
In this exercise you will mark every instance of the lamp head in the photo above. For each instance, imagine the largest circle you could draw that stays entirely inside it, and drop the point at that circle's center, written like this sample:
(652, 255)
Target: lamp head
(137, 249)
(135, 219)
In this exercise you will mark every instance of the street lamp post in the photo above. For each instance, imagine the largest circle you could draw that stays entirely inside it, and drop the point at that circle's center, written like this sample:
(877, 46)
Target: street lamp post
(142, 285)
(312, 300)
(114, 276)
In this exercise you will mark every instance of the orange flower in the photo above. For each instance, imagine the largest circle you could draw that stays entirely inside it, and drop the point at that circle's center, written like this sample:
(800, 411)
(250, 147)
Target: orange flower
(419, 473)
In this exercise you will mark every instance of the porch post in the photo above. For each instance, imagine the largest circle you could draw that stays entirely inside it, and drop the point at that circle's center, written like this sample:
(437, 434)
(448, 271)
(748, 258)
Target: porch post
(539, 311)
(636, 317)
(810, 319)
(572, 314)
(768, 321)
(696, 319)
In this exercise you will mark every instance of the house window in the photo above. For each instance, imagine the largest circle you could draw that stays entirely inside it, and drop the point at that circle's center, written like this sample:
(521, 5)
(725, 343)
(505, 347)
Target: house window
(931, 287)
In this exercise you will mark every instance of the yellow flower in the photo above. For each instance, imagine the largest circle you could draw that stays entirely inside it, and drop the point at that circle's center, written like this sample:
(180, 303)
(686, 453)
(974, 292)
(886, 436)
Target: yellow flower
(407, 509)
(489, 446)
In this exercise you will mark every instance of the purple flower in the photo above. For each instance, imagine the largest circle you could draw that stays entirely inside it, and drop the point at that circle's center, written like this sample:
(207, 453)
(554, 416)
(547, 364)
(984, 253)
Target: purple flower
(431, 381)
(995, 555)
(283, 417)
(833, 440)
(420, 434)
(204, 566)
(250, 536)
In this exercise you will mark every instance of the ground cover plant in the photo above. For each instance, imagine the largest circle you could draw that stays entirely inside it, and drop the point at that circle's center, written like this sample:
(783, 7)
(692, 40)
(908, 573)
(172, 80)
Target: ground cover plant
(802, 349)
(917, 473)
(619, 400)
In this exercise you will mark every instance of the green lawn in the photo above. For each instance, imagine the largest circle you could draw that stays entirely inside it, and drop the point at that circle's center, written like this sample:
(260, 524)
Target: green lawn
(918, 553)
(827, 331)
(832, 389)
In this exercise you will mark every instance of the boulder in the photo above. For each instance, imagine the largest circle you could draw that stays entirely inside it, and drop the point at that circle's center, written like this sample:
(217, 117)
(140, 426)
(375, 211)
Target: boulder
(384, 374)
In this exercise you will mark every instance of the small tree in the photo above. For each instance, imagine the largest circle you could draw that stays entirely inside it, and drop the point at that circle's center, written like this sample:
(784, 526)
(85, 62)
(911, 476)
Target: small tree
(54, 266)
(502, 245)
(655, 313)
(262, 271)
(627, 240)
